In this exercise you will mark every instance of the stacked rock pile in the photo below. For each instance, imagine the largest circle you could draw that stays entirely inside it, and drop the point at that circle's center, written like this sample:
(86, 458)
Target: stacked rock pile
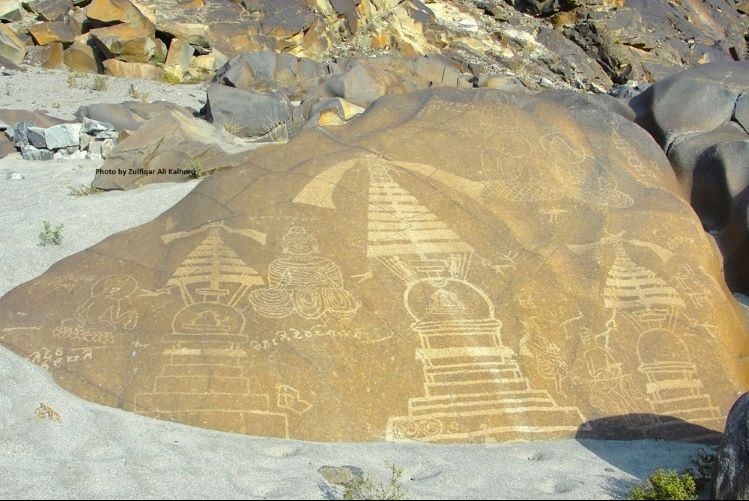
(89, 139)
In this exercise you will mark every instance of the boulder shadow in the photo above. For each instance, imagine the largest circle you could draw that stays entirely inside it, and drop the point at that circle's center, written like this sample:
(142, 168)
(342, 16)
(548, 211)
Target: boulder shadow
(598, 435)
(647, 426)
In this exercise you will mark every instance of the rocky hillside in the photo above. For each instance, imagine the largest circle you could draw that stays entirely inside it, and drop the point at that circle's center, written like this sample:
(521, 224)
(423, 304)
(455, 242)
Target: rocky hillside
(583, 44)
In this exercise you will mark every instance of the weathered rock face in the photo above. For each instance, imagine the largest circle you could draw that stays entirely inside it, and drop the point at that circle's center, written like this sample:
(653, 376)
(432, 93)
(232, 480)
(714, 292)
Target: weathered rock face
(130, 43)
(81, 57)
(47, 33)
(172, 146)
(698, 118)
(732, 475)
(650, 39)
(122, 69)
(124, 11)
(128, 115)
(254, 89)
(11, 47)
(451, 266)
(247, 113)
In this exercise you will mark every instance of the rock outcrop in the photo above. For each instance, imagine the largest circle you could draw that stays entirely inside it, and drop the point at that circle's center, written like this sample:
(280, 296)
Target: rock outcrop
(258, 91)
(452, 266)
(732, 468)
(698, 117)
(583, 44)
(171, 146)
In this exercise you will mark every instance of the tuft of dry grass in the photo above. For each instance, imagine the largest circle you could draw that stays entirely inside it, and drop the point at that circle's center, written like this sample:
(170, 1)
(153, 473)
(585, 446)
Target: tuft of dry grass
(44, 411)
(365, 488)
(235, 128)
(83, 190)
(100, 83)
(136, 93)
(280, 133)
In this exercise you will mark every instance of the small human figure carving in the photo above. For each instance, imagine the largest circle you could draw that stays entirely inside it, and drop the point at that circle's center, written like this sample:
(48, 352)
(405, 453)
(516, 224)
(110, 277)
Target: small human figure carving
(108, 310)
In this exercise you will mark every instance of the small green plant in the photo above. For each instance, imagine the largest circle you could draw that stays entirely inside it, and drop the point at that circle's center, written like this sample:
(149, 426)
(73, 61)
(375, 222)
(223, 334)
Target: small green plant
(100, 83)
(83, 190)
(666, 485)
(55, 104)
(50, 235)
(138, 94)
(196, 168)
(364, 488)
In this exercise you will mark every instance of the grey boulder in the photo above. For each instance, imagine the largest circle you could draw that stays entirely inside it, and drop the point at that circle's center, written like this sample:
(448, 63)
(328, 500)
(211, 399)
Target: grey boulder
(732, 473)
(249, 113)
(63, 136)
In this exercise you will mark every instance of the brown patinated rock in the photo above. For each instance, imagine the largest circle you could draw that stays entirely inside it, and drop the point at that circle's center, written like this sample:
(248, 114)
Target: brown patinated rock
(649, 39)
(38, 119)
(196, 34)
(127, 42)
(178, 58)
(132, 70)
(172, 146)
(451, 266)
(81, 57)
(10, 10)
(47, 56)
(11, 47)
(50, 32)
(124, 11)
(127, 116)
(50, 10)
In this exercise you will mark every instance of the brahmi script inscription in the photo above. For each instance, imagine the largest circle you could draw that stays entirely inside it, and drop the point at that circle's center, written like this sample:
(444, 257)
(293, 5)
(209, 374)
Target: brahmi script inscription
(145, 172)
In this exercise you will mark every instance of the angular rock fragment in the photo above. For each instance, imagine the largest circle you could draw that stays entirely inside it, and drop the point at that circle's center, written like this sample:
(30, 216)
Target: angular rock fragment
(11, 47)
(167, 147)
(123, 69)
(63, 136)
(50, 10)
(129, 43)
(81, 57)
(50, 32)
(29, 152)
(253, 114)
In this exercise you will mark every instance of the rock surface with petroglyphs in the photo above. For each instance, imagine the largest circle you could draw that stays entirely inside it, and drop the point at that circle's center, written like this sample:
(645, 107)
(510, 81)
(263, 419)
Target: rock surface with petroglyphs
(428, 272)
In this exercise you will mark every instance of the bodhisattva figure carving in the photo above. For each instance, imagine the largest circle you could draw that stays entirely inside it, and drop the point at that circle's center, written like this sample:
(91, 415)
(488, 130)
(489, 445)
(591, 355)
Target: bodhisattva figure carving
(304, 283)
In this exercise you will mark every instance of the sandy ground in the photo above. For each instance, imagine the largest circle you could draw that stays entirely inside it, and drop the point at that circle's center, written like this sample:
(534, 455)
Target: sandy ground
(95, 451)
(61, 93)
(98, 452)
(44, 194)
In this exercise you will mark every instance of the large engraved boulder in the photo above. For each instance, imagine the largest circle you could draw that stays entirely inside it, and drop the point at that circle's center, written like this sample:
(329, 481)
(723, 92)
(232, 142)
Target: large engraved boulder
(452, 266)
